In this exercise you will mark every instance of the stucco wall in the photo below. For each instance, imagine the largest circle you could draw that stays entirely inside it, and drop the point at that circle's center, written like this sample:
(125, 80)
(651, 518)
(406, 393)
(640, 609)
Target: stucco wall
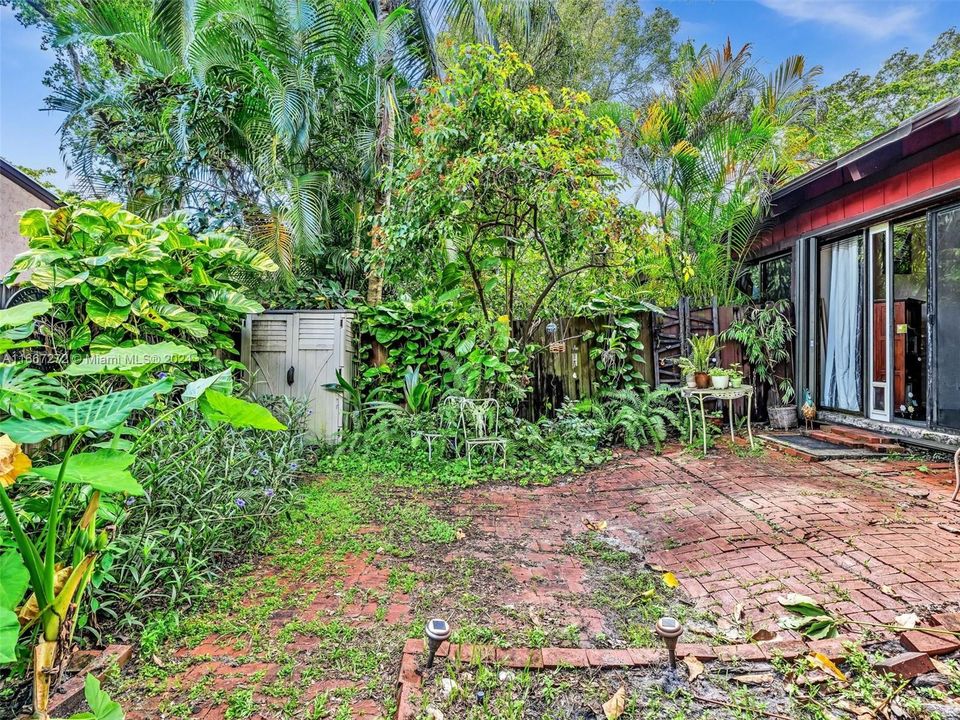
(13, 200)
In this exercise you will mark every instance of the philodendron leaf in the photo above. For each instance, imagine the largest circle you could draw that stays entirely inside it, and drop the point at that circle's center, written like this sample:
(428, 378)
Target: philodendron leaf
(22, 314)
(123, 359)
(104, 470)
(99, 413)
(235, 301)
(217, 407)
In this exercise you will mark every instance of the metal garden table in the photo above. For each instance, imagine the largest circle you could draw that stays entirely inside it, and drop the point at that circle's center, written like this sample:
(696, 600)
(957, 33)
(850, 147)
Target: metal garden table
(728, 394)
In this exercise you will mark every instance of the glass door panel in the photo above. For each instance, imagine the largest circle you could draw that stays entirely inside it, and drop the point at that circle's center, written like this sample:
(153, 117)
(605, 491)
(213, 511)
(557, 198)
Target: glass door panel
(946, 316)
(881, 318)
(840, 325)
(910, 320)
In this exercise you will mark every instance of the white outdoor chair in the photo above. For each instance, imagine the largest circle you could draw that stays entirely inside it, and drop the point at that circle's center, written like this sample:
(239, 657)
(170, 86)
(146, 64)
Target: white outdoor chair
(480, 425)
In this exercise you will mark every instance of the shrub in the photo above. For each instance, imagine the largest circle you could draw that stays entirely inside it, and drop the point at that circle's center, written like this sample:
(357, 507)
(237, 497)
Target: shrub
(114, 278)
(212, 498)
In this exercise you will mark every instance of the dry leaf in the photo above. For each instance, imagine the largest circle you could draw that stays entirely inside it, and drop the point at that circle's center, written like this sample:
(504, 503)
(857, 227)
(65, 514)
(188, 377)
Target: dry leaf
(826, 664)
(907, 620)
(433, 713)
(942, 667)
(614, 707)
(695, 668)
(949, 528)
(763, 635)
(738, 612)
(887, 590)
(754, 679)
(460, 534)
(596, 526)
(670, 580)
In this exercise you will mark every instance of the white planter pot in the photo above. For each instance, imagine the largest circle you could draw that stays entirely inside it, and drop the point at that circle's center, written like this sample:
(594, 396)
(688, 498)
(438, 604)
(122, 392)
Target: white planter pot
(720, 382)
(691, 383)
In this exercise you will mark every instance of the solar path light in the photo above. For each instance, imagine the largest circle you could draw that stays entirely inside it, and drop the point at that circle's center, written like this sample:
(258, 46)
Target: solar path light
(437, 631)
(669, 629)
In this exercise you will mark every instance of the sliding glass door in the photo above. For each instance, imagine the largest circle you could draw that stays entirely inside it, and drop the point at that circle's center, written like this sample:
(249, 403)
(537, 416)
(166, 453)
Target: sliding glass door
(840, 324)
(946, 316)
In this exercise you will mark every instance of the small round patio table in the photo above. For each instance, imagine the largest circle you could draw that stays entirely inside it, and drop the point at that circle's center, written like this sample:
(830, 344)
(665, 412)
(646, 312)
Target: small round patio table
(728, 395)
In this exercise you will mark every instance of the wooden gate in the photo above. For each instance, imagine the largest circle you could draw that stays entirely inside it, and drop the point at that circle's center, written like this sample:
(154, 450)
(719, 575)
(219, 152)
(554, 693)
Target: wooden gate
(672, 331)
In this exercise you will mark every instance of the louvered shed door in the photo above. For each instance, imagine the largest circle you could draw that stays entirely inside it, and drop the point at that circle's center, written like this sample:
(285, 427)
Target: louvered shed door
(271, 352)
(316, 360)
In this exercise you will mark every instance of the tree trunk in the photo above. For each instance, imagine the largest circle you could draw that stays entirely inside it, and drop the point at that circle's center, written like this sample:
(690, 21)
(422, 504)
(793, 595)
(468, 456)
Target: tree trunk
(383, 161)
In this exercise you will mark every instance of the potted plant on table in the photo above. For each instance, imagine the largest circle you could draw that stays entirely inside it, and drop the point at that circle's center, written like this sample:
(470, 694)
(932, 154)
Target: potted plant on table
(719, 378)
(736, 375)
(685, 367)
(702, 349)
(765, 333)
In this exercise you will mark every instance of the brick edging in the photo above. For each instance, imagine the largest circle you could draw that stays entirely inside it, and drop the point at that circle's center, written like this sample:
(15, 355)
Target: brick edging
(67, 696)
(410, 679)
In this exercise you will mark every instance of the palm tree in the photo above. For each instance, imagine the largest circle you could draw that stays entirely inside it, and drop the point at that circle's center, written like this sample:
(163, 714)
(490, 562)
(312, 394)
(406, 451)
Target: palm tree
(284, 111)
(710, 150)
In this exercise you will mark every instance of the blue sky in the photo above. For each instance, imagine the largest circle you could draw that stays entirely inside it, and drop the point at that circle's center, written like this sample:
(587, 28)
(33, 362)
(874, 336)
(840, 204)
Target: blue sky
(836, 34)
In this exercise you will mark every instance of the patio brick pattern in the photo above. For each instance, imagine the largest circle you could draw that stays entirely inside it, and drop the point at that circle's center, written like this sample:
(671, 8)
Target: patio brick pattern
(864, 538)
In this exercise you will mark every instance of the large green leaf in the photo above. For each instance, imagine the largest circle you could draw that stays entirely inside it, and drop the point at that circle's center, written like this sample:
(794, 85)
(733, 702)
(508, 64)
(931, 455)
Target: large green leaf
(9, 632)
(23, 388)
(235, 301)
(14, 580)
(99, 413)
(177, 316)
(222, 382)
(240, 413)
(120, 359)
(107, 313)
(104, 470)
(101, 706)
(22, 314)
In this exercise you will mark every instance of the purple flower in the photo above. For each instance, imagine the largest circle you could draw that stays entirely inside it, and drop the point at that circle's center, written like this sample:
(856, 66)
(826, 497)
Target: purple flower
(240, 503)
(293, 466)
(268, 492)
(255, 472)
(129, 501)
(162, 375)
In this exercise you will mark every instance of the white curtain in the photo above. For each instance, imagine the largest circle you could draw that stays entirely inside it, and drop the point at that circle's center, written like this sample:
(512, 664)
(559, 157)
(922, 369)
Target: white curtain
(841, 377)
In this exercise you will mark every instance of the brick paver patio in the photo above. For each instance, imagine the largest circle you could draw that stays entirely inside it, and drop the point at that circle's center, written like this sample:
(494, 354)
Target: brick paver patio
(870, 540)
(865, 538)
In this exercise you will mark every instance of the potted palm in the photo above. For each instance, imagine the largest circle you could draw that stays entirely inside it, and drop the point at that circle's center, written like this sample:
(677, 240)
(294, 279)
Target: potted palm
(765, 333)
(702, 349)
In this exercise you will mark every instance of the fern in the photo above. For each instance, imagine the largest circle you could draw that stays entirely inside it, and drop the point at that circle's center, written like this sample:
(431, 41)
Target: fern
(641, 416)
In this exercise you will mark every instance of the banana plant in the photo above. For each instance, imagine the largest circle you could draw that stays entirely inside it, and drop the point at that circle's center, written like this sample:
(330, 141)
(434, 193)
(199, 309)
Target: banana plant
(44, 578)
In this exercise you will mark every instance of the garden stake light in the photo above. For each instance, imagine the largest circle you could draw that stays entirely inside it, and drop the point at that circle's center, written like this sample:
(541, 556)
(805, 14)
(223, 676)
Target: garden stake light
(670, 630)
(437, 631)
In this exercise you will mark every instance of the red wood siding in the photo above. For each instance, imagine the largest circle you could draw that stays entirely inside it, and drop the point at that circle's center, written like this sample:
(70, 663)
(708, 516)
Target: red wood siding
(936, 173)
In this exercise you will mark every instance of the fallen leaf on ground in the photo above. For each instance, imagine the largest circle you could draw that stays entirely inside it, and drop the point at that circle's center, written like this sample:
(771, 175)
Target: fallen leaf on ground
(595, 525)
(763, 634)
(943, 668)
(695, 668)
(887, 590)
(907, 620)
(826, 664)
(738, 612)
(949, 528)
(670, 580)
(433, 713)
(754, 679)
(614, 707)
(460, 534)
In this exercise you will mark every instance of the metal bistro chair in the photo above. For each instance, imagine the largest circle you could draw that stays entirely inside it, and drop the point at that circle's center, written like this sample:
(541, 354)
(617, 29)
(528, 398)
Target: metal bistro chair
(480, 425)
(449, 411)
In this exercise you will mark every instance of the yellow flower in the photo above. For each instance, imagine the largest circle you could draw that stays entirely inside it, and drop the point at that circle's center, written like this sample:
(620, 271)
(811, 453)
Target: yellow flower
(503, 319)
(13, 463)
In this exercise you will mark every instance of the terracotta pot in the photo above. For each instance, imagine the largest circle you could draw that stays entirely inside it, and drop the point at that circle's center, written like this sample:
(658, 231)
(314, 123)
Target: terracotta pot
(720, 382)
(783, 417)
(702, 380)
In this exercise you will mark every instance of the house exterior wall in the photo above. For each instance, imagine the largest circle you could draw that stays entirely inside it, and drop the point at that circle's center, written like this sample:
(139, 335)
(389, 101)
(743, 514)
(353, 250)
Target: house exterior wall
(861, 203)
(14, 199)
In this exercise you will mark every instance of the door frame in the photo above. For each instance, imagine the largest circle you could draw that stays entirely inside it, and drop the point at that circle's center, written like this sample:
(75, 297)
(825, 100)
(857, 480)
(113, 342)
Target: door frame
(933, 288)
(884, 414)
